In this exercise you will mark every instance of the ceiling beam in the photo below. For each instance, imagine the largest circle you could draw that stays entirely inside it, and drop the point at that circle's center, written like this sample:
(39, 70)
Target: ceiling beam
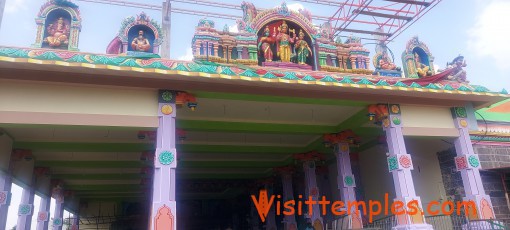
(376, 14)
(421, 3)
(92, 164)
(365, 32)
(102, 176)
(250, 127)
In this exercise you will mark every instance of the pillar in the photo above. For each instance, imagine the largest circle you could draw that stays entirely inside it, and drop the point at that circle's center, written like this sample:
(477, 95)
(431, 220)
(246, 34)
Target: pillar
(335, 62)
(289, 221)
(166, 27)
(270, 223)
(468, 164)
(57, 192)
(239, 52)
(24, 160)
(5, 176)
(43, 183)
(347, 184)
(75, 224)
(367, 63)
(164, 212)
(353, 62)
(311, 189)
(400, 166)
(2, 9)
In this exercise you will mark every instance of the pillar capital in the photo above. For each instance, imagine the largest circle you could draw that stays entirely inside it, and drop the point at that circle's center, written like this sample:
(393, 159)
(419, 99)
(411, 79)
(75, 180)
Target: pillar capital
(309, 156)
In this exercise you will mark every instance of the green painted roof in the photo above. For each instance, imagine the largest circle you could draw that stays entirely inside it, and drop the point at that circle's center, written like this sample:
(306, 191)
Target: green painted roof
(499, 112)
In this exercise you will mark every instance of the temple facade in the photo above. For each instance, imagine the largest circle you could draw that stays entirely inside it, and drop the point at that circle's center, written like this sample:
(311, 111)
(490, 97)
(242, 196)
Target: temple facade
(261, 121)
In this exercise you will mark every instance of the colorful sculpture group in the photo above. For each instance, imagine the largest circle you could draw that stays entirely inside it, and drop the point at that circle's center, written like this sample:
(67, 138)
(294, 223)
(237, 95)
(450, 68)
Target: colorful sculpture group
(276, 37)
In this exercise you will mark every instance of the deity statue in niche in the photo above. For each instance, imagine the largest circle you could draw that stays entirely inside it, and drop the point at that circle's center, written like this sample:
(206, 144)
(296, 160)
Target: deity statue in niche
(284, 41)
(265, 45)
(140, 43)
(422, 69)
(58, 33)
(386, 63)
(303, 50)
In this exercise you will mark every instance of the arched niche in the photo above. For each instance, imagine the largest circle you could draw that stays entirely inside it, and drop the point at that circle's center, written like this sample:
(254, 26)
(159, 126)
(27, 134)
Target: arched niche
(58, 26)
(296, 27)
(417, 52)
(129, 30)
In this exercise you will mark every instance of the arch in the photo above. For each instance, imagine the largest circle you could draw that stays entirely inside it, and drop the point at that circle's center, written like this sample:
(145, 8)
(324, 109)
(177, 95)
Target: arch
(48, 8)
(148, 33)
(141, 20)
(265, 17)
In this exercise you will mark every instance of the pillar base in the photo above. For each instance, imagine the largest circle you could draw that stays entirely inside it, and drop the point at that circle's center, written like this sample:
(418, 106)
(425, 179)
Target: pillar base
(413, 227)
(484, 225)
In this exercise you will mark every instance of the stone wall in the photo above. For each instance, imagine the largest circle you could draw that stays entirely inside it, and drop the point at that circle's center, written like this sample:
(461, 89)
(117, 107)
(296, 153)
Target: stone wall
(492, 180)
(492, 157)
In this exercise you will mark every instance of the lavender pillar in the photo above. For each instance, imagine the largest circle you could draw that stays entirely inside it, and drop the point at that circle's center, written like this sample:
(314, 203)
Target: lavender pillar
(400, 165)
(346, 184)
(164, 211)
(290, 220)
(44, 213)
(468, 164)
(5, 193)
(271, 218)
(312, 191)
(58, 217)
(26, 206)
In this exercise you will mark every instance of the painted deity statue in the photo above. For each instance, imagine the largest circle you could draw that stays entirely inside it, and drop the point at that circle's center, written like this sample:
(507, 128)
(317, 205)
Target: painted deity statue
(303, 50)
(265, 45)
(58, 33)
(385, 62)
(140, 43)
(422, 69)
(458, 74)
(284, 41)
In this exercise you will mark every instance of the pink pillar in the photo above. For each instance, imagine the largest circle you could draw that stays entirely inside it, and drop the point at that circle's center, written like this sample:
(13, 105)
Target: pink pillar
(58, 193)
(346, 184)
(468, 164)
(164, 212)
(400, 165)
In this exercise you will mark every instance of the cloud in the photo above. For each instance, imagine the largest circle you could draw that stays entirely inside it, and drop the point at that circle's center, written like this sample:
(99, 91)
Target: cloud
(14, 6)
(233, 28)
(188, 56)
(487, 38)
(295, 7)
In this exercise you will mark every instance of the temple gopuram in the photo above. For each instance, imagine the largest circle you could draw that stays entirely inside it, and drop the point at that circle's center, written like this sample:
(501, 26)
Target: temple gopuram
(281, 110)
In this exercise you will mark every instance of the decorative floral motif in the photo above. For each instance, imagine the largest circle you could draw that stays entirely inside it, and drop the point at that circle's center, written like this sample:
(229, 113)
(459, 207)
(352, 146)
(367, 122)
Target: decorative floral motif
(395, 109)
(460, 112)
(396, 121)
(166, 157)
(473, 161)
(24, 209)
(57, 222)
(461, 163)
(167, 109)
(314, 191)
(348, 180)
(3, 197)
(405, 161)
(167, 96)
(392, 163)
(463, 123)
(42, 216)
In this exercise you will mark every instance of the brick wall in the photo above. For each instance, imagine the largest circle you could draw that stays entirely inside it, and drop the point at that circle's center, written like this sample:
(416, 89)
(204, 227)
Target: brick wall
(492, 182)
(492, 157)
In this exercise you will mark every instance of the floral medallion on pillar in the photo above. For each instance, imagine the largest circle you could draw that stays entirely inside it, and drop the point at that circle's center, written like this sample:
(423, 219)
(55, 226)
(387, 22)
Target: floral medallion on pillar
(400, 162)
(42, 216)
(24, 209)
(4, 196)
(57, 221)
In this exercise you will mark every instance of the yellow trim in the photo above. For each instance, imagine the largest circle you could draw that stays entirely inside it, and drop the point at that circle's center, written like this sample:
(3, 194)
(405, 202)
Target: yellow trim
(224, 76)
(493, 134)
